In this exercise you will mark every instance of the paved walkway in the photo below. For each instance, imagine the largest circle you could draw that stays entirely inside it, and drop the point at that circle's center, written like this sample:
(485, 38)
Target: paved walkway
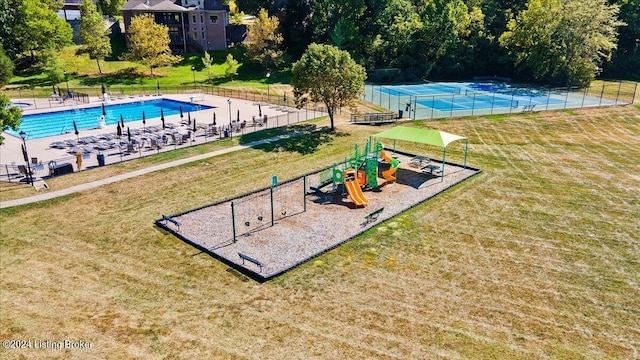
(94, 184)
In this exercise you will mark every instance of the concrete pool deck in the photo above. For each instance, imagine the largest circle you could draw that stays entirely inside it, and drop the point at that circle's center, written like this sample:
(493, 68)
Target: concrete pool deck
(40, 149)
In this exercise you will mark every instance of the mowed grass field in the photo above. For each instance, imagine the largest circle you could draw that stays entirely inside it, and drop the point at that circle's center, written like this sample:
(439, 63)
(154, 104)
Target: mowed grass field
(537, 257)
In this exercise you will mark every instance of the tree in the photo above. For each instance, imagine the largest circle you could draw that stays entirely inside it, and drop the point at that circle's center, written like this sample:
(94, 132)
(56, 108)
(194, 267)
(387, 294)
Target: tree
(563, 42)
(10, 116)
(149, 43)
(207, 61)
(231, 66)
(95, 38)
(111, 7)
(266, 41)
(327, 74)
(236, 16)
(40, 28)
(53, 70)
(6, 68)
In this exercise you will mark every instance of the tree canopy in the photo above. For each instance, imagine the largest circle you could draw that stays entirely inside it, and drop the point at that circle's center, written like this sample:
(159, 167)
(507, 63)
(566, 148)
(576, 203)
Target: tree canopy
(149, 43)
(10, 116)
(39, 28)
(95, 38)
(6, 68)
(329, 75)
(265, 46)
(459, 39)
(563, 42)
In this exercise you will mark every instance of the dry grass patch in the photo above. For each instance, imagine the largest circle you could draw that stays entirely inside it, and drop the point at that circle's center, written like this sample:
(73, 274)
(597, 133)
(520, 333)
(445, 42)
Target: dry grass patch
(534, 258)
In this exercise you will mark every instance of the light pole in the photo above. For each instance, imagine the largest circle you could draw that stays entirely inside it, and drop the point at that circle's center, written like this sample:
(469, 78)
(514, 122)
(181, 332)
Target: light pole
(67, 81)
(268, 75)
(23, 135)
(193, 70)
(230, 120)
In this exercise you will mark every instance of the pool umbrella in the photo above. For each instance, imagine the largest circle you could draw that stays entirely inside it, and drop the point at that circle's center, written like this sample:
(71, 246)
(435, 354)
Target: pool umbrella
(214, 119)
(238, 115)
(121, 121)
(144, 121)
(194, 125)
(285, 96)
(129, 134)
(158, 84)
(181, 115)
(162, 118)
(75, 128)
(119, 130)
(259, 111)
(54, 89)
(104, 112)
(189, 118)
(104, 90)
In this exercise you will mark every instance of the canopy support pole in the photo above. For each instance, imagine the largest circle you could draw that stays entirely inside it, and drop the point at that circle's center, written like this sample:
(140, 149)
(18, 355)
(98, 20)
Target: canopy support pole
(444, 157)
(466, 149)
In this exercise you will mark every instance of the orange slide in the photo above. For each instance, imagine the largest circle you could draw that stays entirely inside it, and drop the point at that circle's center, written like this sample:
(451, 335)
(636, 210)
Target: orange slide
(355, 193)
(388, 174)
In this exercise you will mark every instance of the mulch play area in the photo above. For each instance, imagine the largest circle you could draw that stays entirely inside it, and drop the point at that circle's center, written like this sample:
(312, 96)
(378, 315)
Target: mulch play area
(272, 230)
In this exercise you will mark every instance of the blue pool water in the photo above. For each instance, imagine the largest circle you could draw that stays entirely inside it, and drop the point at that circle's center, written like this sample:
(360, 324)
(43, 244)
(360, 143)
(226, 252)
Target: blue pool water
(55, 123)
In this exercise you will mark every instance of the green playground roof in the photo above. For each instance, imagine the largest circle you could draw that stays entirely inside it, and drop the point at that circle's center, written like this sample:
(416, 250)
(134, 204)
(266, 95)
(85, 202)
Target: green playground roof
(424, 136)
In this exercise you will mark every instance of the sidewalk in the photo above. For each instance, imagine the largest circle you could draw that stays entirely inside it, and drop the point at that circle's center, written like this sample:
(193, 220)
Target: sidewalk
(112, 179)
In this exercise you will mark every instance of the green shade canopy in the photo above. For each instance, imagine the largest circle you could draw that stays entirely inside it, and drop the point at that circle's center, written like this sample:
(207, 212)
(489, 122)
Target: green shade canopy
(424, 136)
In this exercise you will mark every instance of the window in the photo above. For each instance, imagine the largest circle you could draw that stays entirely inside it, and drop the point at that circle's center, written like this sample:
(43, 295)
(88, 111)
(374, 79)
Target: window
(213, 19)
(195, 35)
(193, 17)
(203, 37)
(202, 18)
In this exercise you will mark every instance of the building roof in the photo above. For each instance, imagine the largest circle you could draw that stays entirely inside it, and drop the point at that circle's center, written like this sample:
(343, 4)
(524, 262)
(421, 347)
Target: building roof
(152, 5)
(214, 5)
(168, 5)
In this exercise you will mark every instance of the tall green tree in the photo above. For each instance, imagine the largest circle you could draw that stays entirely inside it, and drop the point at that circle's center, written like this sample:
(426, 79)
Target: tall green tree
(10, 116)
(231, 66)
(111, 7)
(563, 42)
(9, 14)
(40, 28)
(265, 46)
(329, 75)
(207, 61)
(6, 68)
(149, 43)
(95, 38)
(626, 59)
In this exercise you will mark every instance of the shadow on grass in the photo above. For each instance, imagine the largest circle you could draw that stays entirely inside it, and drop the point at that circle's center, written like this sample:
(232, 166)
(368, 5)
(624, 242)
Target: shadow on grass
(126, 76)
(307, 140)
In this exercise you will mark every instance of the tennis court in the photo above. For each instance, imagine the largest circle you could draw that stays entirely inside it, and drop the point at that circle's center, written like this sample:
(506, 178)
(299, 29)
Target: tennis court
(447, 99)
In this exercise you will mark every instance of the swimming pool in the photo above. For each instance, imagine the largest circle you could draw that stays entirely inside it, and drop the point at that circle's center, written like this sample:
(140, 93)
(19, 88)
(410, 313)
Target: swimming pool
(60, 122)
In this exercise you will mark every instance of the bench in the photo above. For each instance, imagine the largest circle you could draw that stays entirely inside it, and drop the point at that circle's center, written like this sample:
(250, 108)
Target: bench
(431, 168)
(374, 118)
(172, 220)
(248, 258)
(373, 216)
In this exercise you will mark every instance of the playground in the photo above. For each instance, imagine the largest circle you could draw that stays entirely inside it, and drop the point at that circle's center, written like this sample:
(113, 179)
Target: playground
(272, 230)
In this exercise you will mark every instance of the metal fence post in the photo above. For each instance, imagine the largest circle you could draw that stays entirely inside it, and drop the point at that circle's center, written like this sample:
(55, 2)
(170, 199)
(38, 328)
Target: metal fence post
(233, 222)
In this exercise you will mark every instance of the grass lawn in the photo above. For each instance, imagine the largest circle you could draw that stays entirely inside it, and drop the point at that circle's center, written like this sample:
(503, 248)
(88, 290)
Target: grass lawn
(116, 73)
(535, 258)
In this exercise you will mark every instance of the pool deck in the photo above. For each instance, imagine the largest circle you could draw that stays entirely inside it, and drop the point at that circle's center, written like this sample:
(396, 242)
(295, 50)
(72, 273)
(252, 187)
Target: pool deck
(11, 151)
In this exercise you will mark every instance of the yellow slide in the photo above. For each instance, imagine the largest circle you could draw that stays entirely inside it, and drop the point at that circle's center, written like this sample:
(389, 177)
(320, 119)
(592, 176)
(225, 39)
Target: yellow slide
(388, 174)
(355, 193)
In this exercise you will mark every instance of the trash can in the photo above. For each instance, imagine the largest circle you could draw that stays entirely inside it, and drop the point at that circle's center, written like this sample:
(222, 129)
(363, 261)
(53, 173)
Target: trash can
(400, 113)
(100, 159)
(226, 133)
